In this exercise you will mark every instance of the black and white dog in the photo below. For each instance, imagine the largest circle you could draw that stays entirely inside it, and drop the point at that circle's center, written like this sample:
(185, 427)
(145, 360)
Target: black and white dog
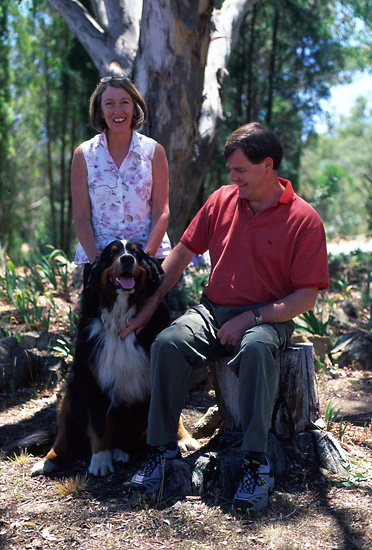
(105, 404)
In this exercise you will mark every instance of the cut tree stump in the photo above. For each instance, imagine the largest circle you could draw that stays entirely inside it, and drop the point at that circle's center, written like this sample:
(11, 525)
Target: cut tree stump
(296, 402)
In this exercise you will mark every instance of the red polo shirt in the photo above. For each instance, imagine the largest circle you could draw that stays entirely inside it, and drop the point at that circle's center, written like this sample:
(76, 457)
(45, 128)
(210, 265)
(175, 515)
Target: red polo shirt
(262, 257)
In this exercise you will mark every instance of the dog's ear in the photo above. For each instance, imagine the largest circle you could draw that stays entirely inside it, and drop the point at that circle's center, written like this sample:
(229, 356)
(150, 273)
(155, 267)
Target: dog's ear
(94, 273)
(155, 272)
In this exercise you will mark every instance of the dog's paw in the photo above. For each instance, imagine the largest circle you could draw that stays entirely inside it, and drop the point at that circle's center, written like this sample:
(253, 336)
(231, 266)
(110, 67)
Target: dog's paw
(188, 444)
(120, 456)
(43, 467)
(101, 464)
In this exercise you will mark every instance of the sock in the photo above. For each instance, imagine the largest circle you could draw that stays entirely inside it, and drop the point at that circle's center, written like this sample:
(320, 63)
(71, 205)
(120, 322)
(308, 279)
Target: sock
(254, 455)
(172, 446)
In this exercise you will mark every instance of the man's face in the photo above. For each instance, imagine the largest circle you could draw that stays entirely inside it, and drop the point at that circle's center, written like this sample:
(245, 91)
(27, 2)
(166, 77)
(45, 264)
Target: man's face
(250, 178)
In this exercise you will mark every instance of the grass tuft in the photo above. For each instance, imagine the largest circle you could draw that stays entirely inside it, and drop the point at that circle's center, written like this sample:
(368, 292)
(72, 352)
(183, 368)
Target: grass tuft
(22, 458)
(73, 486)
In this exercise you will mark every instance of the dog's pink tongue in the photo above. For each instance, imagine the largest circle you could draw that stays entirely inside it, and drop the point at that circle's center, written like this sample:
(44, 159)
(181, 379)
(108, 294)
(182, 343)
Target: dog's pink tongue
(126, 282)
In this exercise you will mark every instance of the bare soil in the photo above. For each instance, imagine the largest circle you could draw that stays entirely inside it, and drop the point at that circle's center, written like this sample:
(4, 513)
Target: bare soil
(74, 510)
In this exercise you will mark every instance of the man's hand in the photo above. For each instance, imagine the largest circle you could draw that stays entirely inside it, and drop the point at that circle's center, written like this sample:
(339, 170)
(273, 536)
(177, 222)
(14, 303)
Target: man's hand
(139, 321)
(173, 266)
(232, 331)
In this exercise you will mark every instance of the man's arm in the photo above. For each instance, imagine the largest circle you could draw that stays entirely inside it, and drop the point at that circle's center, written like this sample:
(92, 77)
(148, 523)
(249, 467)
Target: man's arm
(282, 310)
(173, 266)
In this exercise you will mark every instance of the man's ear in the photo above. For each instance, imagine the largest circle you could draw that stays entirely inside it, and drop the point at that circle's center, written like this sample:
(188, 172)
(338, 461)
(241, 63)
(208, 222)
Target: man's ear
(269, 163)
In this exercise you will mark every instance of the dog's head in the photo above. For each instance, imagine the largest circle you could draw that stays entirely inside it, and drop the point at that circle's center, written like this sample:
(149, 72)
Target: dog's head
(124, 268)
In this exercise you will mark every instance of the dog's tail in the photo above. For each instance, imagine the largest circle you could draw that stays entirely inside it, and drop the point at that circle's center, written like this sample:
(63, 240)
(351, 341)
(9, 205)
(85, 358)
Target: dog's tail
(37, 443)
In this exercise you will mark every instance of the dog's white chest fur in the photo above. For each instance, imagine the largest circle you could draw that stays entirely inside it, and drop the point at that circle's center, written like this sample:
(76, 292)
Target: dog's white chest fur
(123, 368)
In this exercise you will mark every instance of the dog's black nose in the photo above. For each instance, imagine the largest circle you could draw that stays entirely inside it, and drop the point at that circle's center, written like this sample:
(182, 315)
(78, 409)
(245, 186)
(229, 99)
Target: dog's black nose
(127, 261)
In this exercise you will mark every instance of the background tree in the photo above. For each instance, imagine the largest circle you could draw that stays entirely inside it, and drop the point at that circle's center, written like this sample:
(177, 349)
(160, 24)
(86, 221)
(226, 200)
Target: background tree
(283, 58)
(336, 173)
(288, 53)
(177, 52)
(53, 76)
(8, 189)
(286, 59)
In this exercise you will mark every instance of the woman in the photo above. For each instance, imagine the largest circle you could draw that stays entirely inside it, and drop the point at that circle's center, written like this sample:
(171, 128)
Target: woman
(119, 178)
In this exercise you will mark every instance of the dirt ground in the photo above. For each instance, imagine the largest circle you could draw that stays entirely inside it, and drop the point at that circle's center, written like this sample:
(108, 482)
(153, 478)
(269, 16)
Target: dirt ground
(74, 510)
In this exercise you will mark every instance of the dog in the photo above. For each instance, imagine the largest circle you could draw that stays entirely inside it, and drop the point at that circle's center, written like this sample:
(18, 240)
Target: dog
(106, 400)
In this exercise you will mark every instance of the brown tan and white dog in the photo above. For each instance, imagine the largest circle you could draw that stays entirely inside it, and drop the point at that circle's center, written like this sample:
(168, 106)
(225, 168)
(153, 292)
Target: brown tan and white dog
(105, 404)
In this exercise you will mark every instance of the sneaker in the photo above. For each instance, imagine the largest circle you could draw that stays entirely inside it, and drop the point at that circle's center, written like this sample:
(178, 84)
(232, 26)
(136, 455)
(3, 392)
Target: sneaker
(150, 477)
(254, 488)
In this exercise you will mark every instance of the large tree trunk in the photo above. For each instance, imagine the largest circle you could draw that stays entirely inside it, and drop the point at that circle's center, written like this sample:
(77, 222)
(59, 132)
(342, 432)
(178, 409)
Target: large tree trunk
(177, 51)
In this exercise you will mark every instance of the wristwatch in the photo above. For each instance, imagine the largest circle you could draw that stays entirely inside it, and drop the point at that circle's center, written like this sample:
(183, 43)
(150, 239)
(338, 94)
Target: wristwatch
(258, 316)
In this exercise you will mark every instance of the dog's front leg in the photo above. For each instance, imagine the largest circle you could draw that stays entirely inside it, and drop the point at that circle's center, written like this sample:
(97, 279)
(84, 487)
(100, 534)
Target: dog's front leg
(101, 463)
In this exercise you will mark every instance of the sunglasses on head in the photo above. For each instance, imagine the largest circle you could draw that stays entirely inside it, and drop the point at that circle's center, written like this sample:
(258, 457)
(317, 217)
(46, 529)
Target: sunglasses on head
(109, 78)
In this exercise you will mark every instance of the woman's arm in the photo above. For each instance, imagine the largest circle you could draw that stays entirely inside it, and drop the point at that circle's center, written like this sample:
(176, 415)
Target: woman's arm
(159, 200)
(81, 207)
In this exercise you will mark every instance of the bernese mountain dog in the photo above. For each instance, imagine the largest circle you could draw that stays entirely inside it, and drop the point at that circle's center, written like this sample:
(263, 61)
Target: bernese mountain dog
(106, 399)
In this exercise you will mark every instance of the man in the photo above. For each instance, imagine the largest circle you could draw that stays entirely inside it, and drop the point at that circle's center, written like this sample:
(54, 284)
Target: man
(268, 261)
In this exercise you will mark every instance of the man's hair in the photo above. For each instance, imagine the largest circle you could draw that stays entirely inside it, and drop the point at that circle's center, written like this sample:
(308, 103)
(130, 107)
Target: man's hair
(256, 142)
(95, 110)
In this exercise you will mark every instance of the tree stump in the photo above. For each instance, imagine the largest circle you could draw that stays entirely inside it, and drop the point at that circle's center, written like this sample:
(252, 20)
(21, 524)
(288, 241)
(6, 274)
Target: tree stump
(296, 402)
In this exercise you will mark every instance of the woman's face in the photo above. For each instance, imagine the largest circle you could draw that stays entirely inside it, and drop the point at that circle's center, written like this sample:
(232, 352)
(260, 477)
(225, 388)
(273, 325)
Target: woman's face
(117, 109)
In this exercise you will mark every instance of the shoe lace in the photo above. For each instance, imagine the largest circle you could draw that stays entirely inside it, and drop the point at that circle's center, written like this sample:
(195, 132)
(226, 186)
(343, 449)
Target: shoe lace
(251, 477)
(152, 461)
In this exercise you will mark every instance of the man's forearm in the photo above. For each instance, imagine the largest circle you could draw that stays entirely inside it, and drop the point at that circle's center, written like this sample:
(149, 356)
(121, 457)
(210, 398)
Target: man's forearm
(278, 312)
(289, 307)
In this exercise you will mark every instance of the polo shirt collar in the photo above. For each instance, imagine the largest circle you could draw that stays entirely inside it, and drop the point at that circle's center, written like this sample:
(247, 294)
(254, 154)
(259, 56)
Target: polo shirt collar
(288, 193)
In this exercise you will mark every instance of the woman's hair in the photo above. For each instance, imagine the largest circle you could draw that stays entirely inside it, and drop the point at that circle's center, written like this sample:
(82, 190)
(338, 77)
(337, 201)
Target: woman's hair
(95, 112)
(256, 142)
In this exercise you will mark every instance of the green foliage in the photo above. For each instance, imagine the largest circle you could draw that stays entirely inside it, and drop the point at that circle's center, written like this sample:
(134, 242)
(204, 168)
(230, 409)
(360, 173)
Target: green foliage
(366, 292)
(354, 478)
(27, 304)
(8, 187)
(54, 267)
(28, 287)
(52, 78)
(195, 278)
(64, 349)
(195, 281)
(312, 322)
(289, 55)
(335, 174)
(331, 414)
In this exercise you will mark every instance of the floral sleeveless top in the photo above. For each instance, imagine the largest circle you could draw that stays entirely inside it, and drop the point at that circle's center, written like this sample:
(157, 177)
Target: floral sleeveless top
(120, 197)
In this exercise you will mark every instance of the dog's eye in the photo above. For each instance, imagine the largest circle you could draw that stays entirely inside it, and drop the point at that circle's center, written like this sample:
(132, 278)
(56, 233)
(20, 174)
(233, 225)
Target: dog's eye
(113, 253)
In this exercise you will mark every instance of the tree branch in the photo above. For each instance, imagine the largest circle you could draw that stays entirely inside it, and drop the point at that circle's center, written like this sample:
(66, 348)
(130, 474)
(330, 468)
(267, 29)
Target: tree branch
(227, 22)
(111, 52)
(99, 10)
